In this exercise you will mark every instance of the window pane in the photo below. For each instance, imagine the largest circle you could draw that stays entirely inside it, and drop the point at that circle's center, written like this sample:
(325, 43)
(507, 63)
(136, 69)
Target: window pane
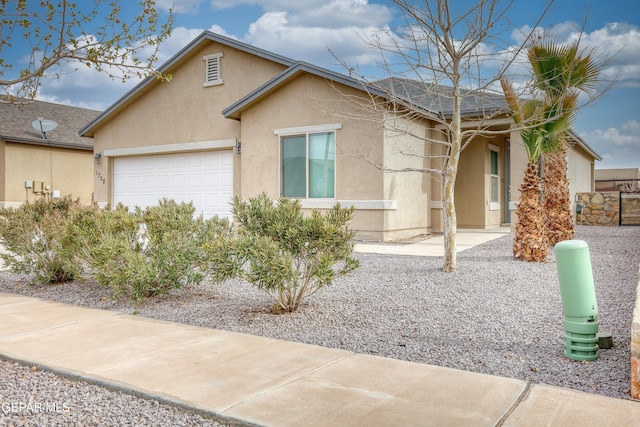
(321, 165)
(494, 163)
(495, 189)
(294, 174)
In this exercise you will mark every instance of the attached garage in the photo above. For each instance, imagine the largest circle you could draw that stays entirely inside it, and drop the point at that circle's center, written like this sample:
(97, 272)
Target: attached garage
(203, 177)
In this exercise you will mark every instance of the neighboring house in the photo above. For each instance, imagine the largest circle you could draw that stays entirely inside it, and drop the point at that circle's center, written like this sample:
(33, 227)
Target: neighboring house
(239, 120)
(623, 179)
(34, 167)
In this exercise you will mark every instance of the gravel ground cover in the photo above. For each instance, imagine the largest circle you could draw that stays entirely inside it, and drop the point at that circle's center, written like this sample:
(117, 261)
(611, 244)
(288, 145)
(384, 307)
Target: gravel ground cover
(493, 315)
(32, 397)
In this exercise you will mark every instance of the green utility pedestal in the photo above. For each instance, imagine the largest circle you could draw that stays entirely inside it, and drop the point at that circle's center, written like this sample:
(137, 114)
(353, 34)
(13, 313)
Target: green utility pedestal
(579, 304)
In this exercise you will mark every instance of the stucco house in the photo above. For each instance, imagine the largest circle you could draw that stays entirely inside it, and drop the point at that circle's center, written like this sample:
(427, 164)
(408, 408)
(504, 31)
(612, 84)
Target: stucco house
(620, 179)
(239, 120)
(36, 164)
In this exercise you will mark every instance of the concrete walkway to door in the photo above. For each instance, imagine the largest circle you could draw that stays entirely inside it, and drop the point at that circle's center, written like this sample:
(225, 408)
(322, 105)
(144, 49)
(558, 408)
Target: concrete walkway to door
(434, 246)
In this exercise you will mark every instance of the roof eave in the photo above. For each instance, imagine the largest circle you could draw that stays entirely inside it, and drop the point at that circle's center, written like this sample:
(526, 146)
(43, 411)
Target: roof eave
(45, 143)
(586, 147)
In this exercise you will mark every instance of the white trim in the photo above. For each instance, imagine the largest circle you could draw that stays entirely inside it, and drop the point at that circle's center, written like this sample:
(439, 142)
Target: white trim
(358, 204)
(14, 205)
(308, 129)
(513, 205)
(436, 204)
(171, 148)
(493, 205)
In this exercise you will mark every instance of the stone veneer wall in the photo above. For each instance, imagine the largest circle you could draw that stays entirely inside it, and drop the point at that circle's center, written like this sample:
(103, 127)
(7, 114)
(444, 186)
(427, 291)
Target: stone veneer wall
(635, 348)
(600, 208)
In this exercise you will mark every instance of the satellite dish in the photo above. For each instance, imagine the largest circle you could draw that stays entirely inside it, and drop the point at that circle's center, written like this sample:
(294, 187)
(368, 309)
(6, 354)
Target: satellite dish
(44, 126)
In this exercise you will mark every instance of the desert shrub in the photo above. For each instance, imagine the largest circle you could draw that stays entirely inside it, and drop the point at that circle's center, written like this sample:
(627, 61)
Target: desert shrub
(35, 240)
(281, 251)
(144, 253)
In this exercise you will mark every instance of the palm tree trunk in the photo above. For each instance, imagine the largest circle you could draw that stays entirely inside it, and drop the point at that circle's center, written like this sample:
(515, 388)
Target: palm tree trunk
(530, 243)
(556, 199)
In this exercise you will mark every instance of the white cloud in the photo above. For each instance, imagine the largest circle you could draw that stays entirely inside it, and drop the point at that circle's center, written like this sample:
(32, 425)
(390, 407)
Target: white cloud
(306, 30)
(189, 7)
(82, 86)
(616, 44)
(180, 37)
(619, 147)
(627, 135)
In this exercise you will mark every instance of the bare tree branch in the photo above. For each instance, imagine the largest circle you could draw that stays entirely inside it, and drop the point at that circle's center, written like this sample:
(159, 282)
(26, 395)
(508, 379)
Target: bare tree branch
(59, 32)
(437, 81)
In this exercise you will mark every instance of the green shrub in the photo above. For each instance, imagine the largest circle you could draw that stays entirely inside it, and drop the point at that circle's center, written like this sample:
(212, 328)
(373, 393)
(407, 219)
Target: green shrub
(281, 251)
(35, 241)
(143, 253)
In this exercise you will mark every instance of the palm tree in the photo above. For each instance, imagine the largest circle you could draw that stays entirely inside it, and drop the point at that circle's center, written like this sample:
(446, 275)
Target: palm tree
(529, 243)
(561, 72)
(542, 125)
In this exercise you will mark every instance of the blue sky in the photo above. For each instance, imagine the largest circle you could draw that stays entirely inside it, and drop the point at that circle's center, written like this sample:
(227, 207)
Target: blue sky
(308, 29)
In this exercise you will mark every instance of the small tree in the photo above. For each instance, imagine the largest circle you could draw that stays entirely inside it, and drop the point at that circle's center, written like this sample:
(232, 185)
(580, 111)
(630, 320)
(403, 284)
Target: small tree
(59, 31)
(434, 63)
(545, 121)
(284, 253)
(541, 125)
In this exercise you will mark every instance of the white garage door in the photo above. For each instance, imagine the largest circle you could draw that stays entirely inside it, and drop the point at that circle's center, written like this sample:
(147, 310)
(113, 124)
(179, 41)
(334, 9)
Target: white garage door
(204, 178)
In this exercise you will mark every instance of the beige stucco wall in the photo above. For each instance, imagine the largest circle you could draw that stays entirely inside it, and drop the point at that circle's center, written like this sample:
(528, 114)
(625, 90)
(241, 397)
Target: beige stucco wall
(617, 174)
(438, 151)
(309, 101)
(67, 170)
(519, 162)
(622, 173)
(470, 186)
(406, 147)
(2, 175)
(518, 166)
(580, 171)
(182, 110)
(473, 184)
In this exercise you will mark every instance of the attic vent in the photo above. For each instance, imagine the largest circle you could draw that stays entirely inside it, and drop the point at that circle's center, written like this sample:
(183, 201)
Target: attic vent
(212, 75)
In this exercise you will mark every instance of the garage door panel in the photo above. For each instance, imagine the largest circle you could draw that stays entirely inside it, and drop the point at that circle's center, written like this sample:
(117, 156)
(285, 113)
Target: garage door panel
(204, 178)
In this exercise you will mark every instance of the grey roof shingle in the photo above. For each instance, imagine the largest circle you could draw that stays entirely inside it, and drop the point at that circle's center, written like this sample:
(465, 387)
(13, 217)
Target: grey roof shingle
(438, 99)
(16, 118)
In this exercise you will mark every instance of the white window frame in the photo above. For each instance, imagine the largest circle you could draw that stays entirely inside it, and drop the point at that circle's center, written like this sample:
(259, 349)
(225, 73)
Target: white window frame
(212, 70)
(494, 206)
(306, 131)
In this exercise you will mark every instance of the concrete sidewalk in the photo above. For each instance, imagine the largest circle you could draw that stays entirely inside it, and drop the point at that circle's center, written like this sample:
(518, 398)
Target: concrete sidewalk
(261, 381)
(434, 246)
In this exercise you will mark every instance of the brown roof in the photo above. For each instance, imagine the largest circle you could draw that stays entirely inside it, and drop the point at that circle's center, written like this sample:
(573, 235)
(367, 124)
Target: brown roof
(16, 118)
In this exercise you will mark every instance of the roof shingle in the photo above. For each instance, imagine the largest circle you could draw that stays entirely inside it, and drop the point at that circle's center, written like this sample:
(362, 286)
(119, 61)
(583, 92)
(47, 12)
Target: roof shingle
(16, 118)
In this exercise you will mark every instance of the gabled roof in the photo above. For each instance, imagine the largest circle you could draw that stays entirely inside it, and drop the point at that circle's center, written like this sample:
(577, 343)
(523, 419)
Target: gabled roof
(432, 100)
(299, 67)
(87, 130)
(16, 118)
